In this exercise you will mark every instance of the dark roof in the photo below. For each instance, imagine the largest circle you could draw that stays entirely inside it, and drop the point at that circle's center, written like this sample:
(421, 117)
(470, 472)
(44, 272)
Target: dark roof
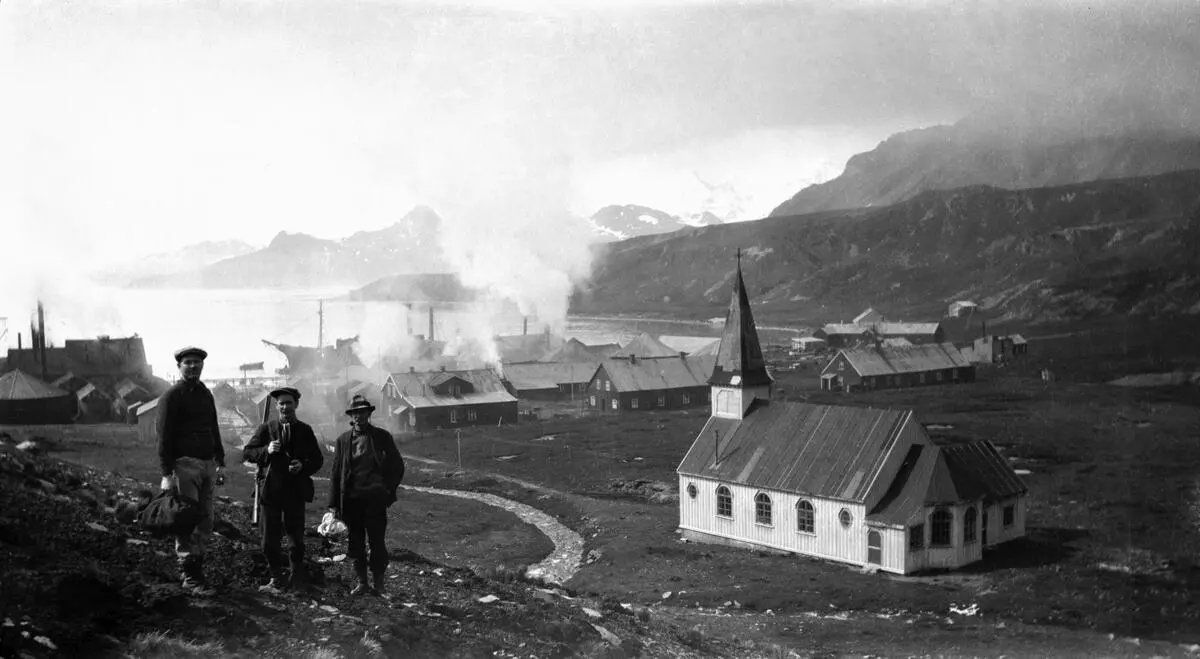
(416, 388)
(643, 346)
(978, 470)
(658, 374)
(932, 475)
(889, 360)
(739, 354)
(818, 450)
(19, 385)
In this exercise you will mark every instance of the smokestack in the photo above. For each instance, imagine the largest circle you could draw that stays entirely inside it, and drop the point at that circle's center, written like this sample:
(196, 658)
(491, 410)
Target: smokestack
(431, 337)
(42, 336)
(18, 341)
(524, 325)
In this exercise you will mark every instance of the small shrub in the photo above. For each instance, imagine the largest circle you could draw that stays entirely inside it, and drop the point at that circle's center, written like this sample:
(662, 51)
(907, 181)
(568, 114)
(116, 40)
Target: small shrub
(161, 645)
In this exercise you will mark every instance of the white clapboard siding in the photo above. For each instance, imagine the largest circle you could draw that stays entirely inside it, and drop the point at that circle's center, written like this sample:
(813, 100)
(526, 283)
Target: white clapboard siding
(997, 532)
(831, 540)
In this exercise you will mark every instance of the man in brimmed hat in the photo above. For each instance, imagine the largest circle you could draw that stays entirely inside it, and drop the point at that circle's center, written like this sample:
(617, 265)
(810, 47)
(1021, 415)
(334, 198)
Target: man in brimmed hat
(192, 458)
(367, 469)
(287, 455)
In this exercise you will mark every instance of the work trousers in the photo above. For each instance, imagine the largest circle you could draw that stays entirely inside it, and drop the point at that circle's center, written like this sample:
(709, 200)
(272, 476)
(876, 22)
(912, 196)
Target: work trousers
(196, 479)
(366, 520)
(276, 521)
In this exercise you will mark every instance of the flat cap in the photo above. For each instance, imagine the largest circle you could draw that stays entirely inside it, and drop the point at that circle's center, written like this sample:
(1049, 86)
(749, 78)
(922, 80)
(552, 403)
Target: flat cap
(286, 391)
(190, 350)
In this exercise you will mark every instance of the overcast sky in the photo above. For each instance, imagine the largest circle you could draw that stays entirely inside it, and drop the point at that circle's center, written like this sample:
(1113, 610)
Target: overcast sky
(133, 127)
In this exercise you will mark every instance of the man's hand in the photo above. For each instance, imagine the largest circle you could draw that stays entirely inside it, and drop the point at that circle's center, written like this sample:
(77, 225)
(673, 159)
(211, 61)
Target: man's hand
(334, 512)
(219, 480)
(295, 466)
(168, 483)
(274, 447)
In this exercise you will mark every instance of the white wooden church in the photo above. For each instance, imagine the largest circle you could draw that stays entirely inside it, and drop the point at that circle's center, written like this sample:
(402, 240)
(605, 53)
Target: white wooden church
(859, 485)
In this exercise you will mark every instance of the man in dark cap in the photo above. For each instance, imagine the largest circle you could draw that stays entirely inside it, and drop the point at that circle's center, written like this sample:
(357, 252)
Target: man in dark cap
(287, 454)
(367, 469)
(192, 458)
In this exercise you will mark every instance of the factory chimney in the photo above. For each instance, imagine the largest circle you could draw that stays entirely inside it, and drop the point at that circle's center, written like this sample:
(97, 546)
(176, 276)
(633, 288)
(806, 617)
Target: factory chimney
(431, 337)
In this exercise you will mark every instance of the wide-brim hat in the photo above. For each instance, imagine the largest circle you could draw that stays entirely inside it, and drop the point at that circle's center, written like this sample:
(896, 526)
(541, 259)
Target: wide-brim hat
(289, 391)
(190, 350)
(359, 404)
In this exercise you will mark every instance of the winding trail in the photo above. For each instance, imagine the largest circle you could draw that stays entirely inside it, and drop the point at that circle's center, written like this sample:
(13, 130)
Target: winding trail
(562, 563)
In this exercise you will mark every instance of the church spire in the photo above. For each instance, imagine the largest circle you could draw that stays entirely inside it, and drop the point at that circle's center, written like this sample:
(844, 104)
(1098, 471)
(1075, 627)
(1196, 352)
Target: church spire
(739, 359)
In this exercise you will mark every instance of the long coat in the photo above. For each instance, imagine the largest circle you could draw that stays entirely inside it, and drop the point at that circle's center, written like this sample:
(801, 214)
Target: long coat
(386, 455)
(278, 487)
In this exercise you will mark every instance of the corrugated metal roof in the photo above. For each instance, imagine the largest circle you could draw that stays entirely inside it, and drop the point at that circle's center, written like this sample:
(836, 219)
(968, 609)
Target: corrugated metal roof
(818, 450)
(543, 375)
(946, 475)
(661, 373)
(643, 346)
(19, 385)
(886, 360)
(978, 470)
(416, 388)
(85, 391)
(1017, 339)
(843, 329)
(906, 329)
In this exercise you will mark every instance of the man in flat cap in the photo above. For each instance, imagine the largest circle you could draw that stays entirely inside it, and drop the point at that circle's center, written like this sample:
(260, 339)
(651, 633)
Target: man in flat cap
(192, 458)
(287, 454)
(367, 469)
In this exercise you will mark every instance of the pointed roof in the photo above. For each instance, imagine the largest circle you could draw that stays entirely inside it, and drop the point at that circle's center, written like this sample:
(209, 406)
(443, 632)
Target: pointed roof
(19, 385)
(739, 354)
(646, 346)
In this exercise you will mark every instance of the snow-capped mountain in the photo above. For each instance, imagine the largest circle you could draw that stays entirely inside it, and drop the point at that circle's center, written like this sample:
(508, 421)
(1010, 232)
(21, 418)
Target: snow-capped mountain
(631, 220)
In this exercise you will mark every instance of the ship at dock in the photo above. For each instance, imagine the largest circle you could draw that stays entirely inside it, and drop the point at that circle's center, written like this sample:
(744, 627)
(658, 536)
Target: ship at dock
(322, 361)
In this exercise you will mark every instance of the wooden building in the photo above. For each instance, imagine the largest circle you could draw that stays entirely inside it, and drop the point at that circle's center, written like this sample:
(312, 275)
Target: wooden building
(807, 344)
(638, 384)
(844, 335)
(147, 422)
(26, 400)
(856, 485)
(891, 368)
(565, 381)
(431, 400)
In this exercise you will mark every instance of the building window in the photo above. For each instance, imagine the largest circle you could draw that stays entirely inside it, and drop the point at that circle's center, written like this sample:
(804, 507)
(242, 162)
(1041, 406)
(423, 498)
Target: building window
(805, 517)
(607, 386)
(453, 416)
(724, 502)
(921, 378)
(841, 366)
(954, 374)
(614, 403)
(633, 403)
(845, 518)
(970, 524)
(762, 509)
(455, 390)
(662, 401)
(472, 415)
(687, 399)
(593, 401)
(1010, 515)
(708, 396)
(916, 537)
(940, 522)
(939, 376)
(691, 490)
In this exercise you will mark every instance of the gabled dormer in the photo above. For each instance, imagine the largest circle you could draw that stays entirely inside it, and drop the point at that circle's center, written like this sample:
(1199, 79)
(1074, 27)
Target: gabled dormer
(740, 373)
(446, 384)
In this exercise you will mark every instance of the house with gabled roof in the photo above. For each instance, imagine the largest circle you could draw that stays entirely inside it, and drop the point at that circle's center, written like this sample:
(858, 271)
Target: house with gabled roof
(646, 346)
(419, 401)
(892, 367)
(550, 380)
(636, 384)
(855, 485)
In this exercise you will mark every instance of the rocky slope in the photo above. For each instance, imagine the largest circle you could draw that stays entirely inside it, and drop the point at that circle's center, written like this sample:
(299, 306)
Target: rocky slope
(947, 157)
(1126, 246)
(163, 264)
(79, 580)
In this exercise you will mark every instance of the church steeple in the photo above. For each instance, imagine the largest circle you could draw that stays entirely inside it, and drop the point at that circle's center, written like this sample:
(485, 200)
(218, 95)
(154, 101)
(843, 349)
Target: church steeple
(739, 358)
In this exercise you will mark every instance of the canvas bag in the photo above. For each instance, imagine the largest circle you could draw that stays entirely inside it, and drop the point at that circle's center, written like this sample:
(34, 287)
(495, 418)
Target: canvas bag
(170, 513)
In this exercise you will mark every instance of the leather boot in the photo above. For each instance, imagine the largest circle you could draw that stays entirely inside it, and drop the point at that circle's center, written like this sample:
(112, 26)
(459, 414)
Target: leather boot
(360, 573)
(380, 585)
(193, 578)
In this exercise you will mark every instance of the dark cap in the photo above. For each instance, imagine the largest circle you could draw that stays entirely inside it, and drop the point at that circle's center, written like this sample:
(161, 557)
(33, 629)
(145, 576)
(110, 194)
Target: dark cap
(190, 350)
(359, 404)
(290, 391)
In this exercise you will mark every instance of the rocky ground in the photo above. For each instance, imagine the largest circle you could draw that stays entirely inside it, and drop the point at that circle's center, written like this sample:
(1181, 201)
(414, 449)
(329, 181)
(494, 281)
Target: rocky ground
(79, 579)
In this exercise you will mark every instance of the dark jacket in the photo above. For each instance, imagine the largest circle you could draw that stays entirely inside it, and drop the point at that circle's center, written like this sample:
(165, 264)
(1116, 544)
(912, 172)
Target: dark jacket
(187, 425)
(386, 455)
(278, 487)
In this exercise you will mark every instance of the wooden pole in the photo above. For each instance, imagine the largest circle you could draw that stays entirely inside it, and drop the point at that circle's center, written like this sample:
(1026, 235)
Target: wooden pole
(458, 437)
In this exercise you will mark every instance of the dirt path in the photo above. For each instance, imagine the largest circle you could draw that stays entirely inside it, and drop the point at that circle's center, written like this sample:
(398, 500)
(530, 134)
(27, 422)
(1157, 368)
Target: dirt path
(563, 562)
